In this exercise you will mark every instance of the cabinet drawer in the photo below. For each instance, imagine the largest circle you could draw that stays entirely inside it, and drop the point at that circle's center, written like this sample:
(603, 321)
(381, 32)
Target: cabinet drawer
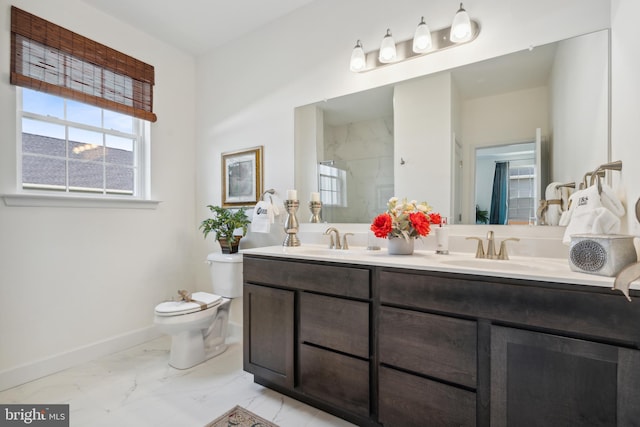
(340, 380)
(407, 400)
(329, 279)
(584, 310)
(335, 323)
(438, 346)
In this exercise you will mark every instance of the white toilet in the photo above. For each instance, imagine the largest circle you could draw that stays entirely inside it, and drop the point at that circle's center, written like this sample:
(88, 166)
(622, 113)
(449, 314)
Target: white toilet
(198, 329)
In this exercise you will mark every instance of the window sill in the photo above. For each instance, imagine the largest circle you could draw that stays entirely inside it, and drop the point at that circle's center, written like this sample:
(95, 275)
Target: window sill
(41, 200)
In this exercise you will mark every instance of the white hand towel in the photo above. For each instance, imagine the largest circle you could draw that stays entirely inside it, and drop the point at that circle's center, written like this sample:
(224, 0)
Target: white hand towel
(588, 216)
(611, 201)
(262, 217)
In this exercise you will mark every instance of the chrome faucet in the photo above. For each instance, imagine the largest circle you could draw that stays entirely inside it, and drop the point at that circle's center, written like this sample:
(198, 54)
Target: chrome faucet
(491, 247)
(333, 243)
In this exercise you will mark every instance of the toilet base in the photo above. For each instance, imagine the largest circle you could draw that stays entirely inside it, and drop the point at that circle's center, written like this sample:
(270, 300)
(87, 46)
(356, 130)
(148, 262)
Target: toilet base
(194, 346)
(180, 358)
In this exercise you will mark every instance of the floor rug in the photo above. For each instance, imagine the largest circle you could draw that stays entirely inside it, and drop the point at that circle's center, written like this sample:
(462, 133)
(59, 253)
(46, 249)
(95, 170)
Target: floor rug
(240, 417)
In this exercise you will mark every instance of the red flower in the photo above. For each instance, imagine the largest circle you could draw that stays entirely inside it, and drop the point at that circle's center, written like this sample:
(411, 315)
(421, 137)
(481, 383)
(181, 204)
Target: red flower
(382, 225)
(420, 223)
(435, 218)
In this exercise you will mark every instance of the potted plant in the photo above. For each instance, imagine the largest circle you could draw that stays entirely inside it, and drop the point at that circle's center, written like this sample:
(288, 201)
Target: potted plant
(224, 222)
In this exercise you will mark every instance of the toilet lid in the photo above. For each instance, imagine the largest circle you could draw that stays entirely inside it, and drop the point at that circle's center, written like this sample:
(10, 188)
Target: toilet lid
(176, 308)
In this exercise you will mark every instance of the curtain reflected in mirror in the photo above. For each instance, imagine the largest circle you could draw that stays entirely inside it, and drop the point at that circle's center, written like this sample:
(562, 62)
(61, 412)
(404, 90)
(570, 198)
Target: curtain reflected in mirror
(499, 212)
(506, 184)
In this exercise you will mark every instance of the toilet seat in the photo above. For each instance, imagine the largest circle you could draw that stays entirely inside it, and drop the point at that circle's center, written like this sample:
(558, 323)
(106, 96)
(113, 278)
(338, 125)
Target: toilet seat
(178, 308)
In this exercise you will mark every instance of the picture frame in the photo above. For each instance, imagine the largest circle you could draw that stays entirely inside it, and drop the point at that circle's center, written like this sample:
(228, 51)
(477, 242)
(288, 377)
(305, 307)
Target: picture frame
(242, 177)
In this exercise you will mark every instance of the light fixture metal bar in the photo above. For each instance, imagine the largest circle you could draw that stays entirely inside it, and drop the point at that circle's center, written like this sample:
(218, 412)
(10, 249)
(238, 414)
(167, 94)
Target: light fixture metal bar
(404, 49)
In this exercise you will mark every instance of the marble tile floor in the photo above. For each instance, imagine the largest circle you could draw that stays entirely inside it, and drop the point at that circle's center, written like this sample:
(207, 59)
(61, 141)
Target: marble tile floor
(138, 388)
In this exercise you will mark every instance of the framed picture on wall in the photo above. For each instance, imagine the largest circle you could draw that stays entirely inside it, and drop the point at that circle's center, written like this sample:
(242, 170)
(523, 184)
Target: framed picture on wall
(242, 177)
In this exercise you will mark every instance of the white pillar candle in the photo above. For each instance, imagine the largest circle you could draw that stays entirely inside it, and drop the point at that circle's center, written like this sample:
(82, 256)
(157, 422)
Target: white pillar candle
(292, 195)
(315, 197)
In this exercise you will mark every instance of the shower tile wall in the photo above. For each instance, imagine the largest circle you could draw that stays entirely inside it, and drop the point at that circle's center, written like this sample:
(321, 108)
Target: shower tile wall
(365, 150)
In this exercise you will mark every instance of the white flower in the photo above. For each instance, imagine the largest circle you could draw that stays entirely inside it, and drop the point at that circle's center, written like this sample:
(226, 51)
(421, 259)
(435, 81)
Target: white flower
(393, 200)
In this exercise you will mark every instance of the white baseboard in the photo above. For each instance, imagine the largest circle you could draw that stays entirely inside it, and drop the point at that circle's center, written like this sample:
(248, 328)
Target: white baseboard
(30, 371)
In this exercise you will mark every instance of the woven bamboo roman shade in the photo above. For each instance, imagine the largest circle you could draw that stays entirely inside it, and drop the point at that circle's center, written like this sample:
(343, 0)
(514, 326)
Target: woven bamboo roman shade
(52, 59)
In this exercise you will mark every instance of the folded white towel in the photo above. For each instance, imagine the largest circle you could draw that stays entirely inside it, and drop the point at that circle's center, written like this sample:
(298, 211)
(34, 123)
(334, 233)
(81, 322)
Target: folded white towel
(587, 215)
(263, 217)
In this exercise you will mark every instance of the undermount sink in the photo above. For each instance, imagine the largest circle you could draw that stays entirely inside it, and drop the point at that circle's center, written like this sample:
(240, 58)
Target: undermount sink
(493, 264)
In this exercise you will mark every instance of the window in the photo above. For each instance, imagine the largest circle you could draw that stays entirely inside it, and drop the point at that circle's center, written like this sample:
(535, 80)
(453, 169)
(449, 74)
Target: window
(521, 192)
(83, 114)
(332, 185)
(67, 146)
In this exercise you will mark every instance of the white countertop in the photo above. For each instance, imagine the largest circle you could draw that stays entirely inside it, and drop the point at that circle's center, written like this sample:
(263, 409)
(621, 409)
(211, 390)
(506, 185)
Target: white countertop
(517, 267)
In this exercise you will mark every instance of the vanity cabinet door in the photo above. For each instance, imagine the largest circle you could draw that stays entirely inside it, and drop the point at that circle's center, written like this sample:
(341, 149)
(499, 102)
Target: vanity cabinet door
(269, 333)
(546, 380)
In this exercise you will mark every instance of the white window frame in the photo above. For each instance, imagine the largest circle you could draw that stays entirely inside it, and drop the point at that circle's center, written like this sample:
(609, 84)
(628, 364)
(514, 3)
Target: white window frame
(41, 197)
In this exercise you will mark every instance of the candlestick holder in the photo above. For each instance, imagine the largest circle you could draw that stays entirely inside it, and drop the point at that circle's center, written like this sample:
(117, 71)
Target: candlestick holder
(315, 208)
(291, 223)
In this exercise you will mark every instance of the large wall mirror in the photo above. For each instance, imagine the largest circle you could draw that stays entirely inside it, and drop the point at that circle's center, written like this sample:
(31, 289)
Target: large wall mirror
(439, 137)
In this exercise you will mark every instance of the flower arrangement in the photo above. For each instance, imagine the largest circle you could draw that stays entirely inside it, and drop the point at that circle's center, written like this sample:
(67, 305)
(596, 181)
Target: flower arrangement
(405, 219)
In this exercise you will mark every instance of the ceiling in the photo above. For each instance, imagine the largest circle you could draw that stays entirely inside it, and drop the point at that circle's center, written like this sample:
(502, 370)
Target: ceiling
(197, 26)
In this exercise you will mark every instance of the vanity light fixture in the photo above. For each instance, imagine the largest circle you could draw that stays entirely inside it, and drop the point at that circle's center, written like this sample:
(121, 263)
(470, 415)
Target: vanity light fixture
(387, 49)
(422, 38)
(358, 59)
(461, 27)
(463, 30)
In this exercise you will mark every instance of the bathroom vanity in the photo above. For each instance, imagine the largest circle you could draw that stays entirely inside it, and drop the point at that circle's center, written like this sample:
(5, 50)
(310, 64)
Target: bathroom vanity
(434, 340)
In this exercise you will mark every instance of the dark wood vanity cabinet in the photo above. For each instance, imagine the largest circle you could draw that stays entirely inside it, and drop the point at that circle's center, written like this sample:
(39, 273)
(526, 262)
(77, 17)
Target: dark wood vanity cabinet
(508, 352)
(307, 333)
(399, 347)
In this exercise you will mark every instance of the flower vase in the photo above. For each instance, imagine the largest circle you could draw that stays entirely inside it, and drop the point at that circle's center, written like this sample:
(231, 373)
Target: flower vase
(400, 246)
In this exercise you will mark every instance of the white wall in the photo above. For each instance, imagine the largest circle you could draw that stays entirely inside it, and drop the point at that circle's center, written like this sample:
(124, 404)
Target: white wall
(580, 83)
(422, 125)
(78, 282)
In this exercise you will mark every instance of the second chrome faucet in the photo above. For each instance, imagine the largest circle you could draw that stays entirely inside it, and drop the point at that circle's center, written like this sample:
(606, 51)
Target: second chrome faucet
(491, 247)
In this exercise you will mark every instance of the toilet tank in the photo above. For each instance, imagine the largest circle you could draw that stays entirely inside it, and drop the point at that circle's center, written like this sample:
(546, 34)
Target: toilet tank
(225, 271)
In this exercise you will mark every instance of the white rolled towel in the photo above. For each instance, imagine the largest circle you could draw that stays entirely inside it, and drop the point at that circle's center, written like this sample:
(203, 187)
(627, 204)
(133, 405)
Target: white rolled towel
(553, 196)
(587, 215)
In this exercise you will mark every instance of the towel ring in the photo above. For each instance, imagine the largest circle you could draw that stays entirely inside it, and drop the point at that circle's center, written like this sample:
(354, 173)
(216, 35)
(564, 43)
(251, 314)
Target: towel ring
(269, 192)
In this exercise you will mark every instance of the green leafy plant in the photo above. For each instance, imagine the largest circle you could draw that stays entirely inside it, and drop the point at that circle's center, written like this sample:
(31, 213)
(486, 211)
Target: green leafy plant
(224, 222)
(482, 216)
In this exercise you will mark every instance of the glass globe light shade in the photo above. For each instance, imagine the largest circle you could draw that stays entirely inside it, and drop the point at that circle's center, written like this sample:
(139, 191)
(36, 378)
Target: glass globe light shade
(422, 38)
(358, 59)
(387, 49)
(461, 27)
